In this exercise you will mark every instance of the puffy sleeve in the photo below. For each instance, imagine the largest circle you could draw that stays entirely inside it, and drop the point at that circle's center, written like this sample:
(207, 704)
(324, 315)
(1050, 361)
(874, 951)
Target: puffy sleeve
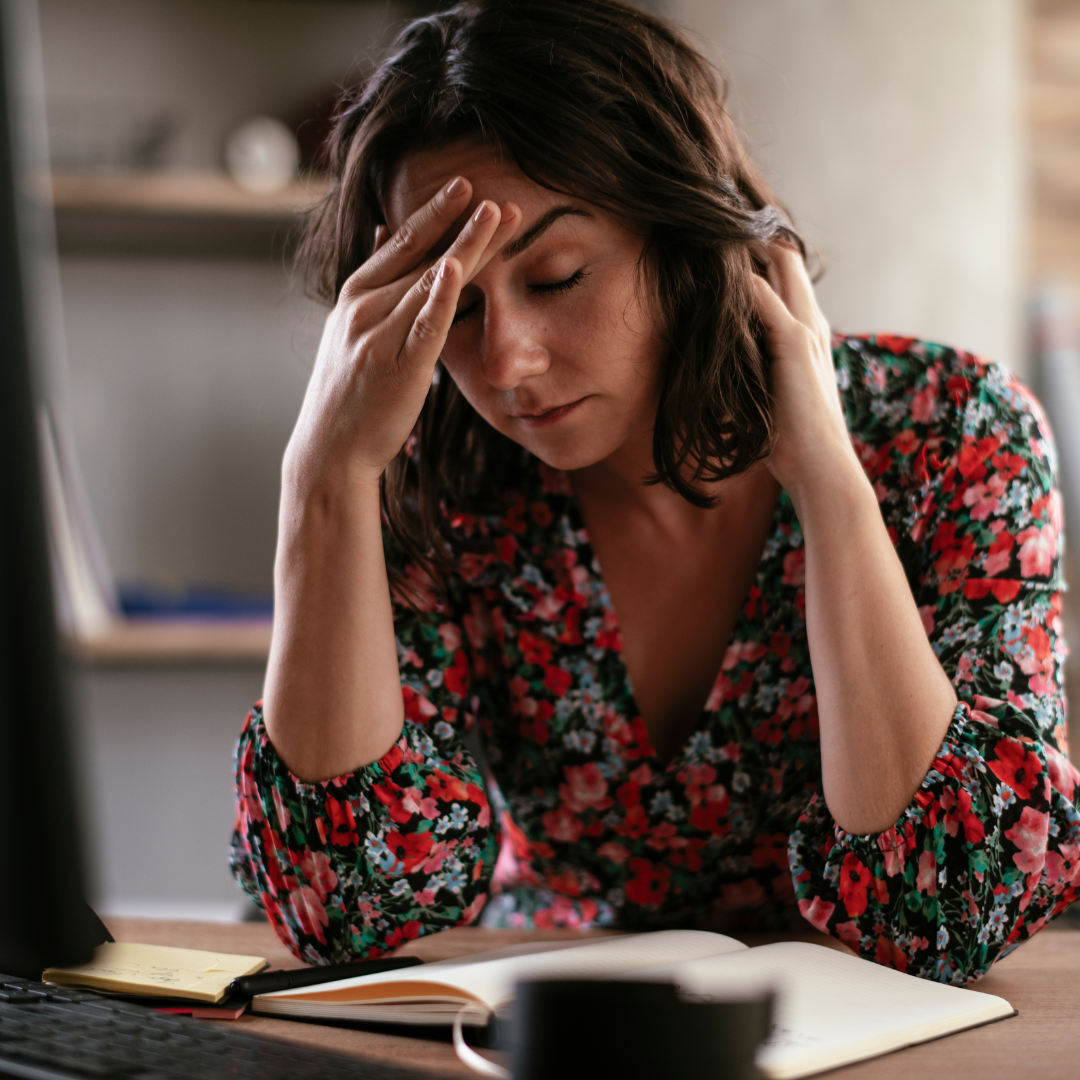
(988, 851)
(354, 866)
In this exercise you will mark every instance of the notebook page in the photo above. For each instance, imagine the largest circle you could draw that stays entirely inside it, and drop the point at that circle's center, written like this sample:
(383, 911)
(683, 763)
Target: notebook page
(493, 982)
(833, 1008)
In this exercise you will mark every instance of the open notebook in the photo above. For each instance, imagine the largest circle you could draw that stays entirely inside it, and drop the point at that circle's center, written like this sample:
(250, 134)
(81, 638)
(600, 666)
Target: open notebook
(831, 1008)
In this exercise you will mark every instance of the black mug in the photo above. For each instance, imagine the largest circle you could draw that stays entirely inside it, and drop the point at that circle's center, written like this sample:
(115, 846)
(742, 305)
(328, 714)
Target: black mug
(590, 1030)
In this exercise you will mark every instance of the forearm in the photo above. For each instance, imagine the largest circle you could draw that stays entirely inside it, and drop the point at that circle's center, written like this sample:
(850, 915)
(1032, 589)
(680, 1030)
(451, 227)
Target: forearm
(332, 700)
(884, 702)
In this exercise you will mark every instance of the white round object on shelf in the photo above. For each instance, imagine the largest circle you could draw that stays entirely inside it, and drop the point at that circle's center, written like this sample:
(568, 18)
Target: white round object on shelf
(261, 155)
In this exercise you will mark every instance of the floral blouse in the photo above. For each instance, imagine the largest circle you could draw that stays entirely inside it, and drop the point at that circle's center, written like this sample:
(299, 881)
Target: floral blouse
(524, 791)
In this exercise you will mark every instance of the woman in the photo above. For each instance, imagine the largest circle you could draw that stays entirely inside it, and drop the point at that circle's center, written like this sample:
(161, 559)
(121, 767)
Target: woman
(746, 623)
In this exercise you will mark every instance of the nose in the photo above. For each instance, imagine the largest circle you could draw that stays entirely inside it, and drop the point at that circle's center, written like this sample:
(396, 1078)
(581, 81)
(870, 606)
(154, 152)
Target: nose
(512, 350)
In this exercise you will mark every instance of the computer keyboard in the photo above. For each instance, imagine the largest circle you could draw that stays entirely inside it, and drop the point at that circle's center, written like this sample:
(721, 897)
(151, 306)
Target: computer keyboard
(51, 1034)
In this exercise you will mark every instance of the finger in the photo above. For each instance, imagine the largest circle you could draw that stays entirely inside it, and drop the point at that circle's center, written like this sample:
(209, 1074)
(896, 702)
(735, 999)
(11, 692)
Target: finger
(508, 225)
(382, 234)
(770, 309)
(465, 250)
(476, 238)
(795, 288)
(406, 249)
(473, 248)
(432, 323)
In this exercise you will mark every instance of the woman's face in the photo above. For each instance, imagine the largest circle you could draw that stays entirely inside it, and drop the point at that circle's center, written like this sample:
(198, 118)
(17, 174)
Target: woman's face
(552, 344)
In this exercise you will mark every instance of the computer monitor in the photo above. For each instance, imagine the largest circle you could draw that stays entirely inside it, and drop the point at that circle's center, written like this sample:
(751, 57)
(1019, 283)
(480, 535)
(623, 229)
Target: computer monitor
(44, 918)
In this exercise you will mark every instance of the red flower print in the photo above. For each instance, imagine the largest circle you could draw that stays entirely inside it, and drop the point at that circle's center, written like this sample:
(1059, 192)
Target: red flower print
(585, 788)
(926, 879)
(561, 824)
(818, 912)
(795, 567)
(398, 803)
(889, 954)
(613, 851)
(894, 343)
(634, 825)
(649, 885)
(893, 851)
(999, 555)
(557, 679)
(1063, 774)
(342, 823)
(922, 405)
(712, 818)
(854, 877)
(534, 649)
(308, 911)
(698, 778)
(686, 851)
(1037, 550)
(849, 933)
(541, 513)
(410, 849)
(1063, 867)
(1016, 766)
(958, 812)
(446, 787)
(906, 442)
(956, 552)
(770, 851)
(418, 708)
(972, 455)
(1001, 589)
(315, 866)
(456, 677)
(1029, 835)
(400, 934)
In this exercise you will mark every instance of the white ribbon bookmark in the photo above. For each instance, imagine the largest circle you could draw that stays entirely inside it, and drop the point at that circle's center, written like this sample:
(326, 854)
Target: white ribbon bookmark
(467, 1055)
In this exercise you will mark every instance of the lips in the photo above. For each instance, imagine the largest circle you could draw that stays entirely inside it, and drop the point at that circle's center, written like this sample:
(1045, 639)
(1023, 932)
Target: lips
(548, 416)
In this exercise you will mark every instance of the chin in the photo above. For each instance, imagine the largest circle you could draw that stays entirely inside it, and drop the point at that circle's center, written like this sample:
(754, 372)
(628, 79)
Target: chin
(567, 455)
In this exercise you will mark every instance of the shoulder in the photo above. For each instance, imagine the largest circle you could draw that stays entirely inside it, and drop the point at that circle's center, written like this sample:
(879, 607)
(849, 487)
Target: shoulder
(917, 407)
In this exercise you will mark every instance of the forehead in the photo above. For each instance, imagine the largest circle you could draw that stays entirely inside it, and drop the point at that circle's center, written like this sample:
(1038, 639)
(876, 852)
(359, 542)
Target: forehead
(422, 173)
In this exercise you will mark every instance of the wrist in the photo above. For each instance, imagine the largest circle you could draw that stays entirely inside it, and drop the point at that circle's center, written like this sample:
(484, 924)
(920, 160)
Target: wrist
(834, 486)
(326, 504)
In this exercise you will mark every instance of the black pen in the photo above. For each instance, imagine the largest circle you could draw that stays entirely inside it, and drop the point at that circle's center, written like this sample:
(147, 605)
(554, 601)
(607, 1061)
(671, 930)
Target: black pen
(268, 982)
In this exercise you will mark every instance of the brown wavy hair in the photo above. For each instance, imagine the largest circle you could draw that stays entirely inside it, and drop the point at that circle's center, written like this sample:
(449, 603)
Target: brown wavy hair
(599, 100)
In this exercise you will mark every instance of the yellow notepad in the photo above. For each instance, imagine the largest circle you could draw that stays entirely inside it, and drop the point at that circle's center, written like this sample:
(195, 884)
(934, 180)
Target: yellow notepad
(157, 971)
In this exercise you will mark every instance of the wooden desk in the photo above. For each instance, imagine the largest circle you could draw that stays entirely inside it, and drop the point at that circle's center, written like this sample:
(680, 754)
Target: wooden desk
(1041, 979)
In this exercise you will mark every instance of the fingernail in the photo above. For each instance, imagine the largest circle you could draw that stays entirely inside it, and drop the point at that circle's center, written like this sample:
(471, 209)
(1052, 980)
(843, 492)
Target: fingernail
(455, 188)
(444, 270)
(484, 211)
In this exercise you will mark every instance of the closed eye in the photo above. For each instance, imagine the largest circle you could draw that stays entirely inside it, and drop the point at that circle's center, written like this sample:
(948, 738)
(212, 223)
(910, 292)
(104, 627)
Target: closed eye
(549, 288)
(559, 286)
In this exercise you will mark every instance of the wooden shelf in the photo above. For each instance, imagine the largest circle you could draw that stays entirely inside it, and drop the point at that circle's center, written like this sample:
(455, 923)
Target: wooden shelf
(155, 641)
(175, 214)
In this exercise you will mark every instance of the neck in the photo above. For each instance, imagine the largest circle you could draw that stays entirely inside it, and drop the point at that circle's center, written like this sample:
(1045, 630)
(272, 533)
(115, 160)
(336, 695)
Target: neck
(618, 482)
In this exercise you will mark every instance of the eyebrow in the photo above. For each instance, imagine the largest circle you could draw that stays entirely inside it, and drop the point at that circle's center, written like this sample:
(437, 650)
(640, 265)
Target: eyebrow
(516, 247)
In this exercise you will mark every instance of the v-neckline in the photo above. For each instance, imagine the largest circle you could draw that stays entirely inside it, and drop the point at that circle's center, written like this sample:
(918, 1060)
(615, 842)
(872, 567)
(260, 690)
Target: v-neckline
(579, 530)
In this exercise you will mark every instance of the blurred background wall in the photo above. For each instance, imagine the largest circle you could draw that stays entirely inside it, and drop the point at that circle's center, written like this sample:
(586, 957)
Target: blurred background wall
(894, 132)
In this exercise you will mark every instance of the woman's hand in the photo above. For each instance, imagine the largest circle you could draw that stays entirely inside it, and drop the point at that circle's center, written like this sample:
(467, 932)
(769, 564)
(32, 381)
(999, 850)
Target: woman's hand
(381, 341)
(332, 700)
(884, 701)
(812, 439)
